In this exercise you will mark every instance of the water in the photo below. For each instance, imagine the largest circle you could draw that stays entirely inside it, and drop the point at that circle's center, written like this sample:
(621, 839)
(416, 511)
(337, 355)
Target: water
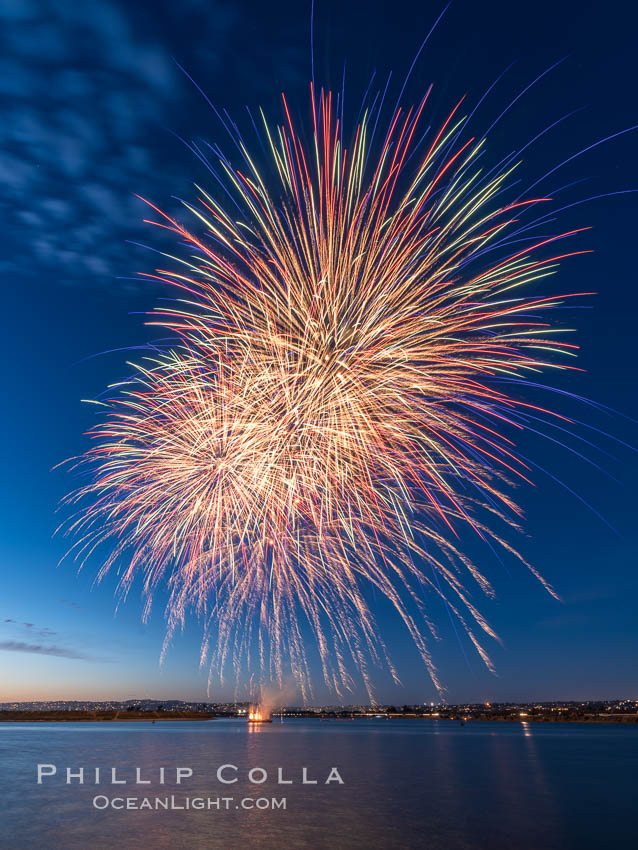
(406, 784)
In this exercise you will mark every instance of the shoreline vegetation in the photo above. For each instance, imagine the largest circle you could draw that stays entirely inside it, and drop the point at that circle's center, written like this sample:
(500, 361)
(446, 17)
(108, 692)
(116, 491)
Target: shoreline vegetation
(99, 716)
(110, 716)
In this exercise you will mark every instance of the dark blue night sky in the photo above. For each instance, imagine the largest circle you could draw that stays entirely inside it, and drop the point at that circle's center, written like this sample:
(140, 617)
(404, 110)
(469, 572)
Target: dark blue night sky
(93, 106)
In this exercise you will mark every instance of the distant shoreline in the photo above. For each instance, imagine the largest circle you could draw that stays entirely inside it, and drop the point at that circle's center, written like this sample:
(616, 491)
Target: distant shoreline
(148, 716)
(99, 716)
(631, 719)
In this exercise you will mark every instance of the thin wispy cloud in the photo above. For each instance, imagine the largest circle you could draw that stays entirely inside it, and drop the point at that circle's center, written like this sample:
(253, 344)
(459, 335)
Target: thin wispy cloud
(20, 636)
(42, 649)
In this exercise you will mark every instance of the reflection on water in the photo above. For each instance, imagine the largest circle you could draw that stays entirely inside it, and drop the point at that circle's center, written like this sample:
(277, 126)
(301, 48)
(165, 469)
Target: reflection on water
(406, 784)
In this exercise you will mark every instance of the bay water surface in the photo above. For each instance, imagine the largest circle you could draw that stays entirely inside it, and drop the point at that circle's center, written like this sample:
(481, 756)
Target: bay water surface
(405, 784)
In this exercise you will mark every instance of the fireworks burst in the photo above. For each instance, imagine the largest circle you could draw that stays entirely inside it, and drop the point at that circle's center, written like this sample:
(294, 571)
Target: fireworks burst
(332, 412)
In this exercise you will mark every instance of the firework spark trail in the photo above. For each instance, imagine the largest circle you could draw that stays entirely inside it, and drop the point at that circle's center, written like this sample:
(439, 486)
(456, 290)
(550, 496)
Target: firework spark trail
(329, 414)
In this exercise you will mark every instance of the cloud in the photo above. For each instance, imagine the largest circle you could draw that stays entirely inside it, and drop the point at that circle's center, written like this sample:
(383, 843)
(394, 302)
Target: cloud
(87, 92)
(38, 640)
(30, 630)
(40, 649)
